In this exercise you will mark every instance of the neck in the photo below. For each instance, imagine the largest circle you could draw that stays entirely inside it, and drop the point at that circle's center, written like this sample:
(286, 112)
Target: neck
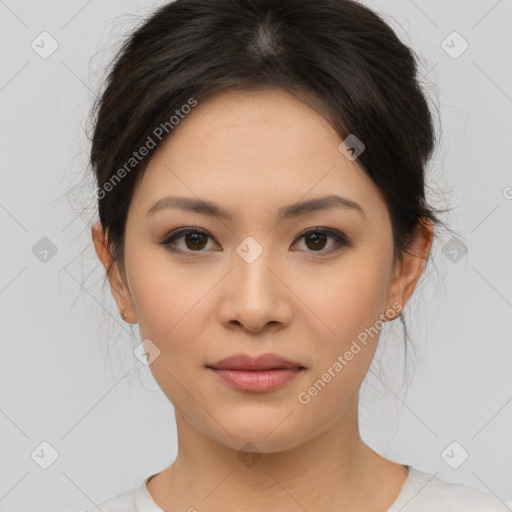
(333, 469)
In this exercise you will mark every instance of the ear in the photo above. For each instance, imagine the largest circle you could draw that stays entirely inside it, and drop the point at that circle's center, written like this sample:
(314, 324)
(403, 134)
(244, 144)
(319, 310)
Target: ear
(408, 271)
(118, 286)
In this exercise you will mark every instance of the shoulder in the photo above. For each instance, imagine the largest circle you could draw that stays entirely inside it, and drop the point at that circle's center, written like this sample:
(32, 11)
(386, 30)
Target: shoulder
(136, 499)
(123, 502)
(424, 492)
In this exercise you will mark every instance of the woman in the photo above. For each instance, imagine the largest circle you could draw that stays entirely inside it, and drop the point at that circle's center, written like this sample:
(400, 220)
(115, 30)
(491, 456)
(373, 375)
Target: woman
(260, 168)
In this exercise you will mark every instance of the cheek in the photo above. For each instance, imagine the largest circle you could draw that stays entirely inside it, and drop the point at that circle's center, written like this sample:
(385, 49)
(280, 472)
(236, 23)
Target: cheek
(348, 298)
(165, 297)
(167, 303)
(350, 304)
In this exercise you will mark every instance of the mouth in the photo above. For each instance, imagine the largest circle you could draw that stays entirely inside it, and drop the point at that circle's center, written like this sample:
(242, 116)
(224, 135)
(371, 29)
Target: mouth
(256, 374)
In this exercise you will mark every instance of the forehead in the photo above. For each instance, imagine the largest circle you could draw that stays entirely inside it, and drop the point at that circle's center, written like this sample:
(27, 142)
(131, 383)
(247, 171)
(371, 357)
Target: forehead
(254, 148)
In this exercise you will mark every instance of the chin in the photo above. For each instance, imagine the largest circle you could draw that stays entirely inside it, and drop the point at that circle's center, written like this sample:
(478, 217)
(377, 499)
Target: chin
(254, 443)
(262, 433)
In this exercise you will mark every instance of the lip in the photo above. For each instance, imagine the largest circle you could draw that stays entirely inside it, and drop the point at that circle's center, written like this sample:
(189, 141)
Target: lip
(257, 374)
(262, 362)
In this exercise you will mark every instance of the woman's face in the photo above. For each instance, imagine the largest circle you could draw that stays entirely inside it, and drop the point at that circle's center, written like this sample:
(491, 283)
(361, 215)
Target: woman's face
(259, 280)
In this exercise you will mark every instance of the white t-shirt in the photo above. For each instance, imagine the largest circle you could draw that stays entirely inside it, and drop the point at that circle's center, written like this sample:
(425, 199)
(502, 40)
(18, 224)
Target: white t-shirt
(421, 492)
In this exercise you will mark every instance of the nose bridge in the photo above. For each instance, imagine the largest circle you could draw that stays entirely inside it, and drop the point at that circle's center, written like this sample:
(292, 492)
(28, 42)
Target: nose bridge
(254, 295)
(254, 278)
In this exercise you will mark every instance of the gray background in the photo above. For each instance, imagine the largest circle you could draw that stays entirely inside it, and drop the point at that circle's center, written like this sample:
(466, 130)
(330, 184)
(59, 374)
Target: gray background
(68, 374)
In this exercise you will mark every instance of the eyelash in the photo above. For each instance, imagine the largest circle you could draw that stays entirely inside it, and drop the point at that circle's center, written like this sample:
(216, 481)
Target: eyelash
(340, 238)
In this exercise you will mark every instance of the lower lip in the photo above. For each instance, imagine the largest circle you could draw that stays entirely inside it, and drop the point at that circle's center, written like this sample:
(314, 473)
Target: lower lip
(257, 380)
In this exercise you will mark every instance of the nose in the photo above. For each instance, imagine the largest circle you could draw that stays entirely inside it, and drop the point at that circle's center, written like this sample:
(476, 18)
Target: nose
(255, 296)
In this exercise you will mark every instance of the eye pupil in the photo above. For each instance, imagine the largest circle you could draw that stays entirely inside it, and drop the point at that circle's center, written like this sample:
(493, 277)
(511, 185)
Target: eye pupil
(196, 238)
(318, 240)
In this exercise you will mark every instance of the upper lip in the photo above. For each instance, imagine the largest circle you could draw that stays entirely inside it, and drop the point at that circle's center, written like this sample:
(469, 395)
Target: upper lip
(247, 362)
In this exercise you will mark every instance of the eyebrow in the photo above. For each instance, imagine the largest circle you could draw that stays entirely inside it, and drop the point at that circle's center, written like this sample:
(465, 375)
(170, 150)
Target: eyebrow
(286, 212)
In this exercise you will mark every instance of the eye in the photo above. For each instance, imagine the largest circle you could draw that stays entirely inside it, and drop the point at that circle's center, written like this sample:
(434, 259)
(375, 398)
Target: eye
(315, 240)
(194, 241)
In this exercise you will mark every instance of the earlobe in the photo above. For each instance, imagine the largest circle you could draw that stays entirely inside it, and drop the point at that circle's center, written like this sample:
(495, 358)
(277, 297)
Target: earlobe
(396, 296)
(116, 280)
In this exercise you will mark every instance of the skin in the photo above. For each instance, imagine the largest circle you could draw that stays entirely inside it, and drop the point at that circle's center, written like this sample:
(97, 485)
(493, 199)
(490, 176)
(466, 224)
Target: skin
(252, 153)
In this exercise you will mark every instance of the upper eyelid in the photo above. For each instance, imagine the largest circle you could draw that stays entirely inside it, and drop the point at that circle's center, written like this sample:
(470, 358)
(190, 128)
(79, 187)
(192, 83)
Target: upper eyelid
(179, 232)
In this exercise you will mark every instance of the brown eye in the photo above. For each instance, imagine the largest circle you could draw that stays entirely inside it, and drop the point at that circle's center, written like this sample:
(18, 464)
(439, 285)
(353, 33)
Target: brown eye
(193, 240)
(316, 241)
